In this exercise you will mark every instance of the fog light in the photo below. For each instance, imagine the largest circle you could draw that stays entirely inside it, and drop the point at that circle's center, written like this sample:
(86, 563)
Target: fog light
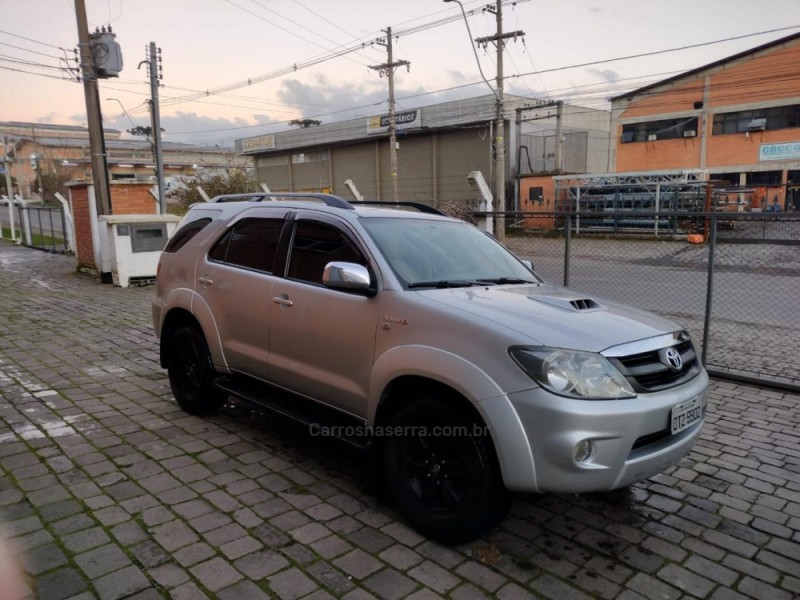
(583, 451)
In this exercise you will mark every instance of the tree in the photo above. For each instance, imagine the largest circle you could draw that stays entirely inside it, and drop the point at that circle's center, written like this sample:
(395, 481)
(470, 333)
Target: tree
(54, 180)
(304, 123)
(235, 181)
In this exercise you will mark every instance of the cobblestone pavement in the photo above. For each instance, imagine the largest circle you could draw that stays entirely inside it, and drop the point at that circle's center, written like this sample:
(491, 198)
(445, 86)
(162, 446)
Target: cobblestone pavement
(107, 490)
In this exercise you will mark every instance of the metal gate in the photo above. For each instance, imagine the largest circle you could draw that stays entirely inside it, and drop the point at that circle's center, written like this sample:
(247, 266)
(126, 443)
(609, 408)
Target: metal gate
(43, 228)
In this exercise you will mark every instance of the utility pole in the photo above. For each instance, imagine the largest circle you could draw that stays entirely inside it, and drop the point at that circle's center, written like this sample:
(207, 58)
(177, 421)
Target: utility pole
(499, 140)
(155, 120)
(388, 68)
(95, 121)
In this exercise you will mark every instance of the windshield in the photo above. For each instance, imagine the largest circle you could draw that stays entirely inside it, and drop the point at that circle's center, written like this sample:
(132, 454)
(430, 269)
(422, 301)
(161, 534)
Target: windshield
(435, 253)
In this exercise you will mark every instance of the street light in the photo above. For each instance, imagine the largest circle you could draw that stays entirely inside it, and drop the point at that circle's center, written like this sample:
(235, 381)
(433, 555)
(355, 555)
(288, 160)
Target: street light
(472, 45)
(133, 125)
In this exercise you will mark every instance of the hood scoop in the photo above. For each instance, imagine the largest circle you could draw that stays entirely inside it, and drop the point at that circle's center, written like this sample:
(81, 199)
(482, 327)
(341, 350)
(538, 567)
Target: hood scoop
(570, 303)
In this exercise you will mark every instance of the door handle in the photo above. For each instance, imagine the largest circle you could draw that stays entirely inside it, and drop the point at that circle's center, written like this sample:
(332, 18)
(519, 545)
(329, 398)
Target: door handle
(282, 300)
(205, 280)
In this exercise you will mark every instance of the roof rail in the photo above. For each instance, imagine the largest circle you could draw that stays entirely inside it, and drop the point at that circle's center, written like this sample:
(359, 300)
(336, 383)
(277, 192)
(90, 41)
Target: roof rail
(327, 199)
(423, 208)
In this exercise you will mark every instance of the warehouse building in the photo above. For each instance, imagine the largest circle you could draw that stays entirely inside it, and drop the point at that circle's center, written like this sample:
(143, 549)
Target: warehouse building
(735, 122)
(438, 146)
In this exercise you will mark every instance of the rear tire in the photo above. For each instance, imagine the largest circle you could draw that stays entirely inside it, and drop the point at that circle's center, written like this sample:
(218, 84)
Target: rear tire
(191, 373)
(442, 471)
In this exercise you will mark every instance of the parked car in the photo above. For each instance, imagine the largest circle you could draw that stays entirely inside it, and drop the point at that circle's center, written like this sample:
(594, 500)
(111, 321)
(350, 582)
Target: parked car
(421, 338)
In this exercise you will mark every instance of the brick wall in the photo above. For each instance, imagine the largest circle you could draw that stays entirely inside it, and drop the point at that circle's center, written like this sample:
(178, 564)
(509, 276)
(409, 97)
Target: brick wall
(127, 198)
(132, 199)
(84, 247)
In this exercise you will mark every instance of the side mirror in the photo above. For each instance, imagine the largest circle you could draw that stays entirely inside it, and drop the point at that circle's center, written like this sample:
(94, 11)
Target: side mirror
(527, 263)
(346, 276)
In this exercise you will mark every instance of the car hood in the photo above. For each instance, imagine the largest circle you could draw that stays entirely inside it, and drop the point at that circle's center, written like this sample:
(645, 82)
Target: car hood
(555, 316)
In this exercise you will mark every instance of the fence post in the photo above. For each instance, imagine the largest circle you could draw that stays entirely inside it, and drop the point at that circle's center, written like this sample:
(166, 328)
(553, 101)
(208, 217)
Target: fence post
(69, 222)
(567, 249)
(709, 286)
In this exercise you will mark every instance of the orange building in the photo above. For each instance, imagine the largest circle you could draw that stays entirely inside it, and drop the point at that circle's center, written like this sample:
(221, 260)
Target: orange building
(738, 119)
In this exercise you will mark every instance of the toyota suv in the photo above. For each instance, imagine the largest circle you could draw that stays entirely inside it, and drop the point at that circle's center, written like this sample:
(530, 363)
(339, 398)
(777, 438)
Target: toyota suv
(423, 340)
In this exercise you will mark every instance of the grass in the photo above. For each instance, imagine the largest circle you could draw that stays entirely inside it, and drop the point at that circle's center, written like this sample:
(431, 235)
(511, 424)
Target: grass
(39, 240)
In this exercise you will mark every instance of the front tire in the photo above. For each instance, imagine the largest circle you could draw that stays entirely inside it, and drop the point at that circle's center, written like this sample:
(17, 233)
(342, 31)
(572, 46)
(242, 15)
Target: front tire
(191, 373)
(442, 471)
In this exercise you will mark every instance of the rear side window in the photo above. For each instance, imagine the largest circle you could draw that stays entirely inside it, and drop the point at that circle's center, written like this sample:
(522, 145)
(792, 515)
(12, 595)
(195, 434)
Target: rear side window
(185, 233)
(314, 246)
(250, 243)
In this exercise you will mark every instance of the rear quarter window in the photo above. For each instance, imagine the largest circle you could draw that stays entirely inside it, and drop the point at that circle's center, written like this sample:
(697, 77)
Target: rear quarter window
(186, 233)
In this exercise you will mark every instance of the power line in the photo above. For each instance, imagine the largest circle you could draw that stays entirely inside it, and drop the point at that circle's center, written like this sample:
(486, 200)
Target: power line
(22, 37)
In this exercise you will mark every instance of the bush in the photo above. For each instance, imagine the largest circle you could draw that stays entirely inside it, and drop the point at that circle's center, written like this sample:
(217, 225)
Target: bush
(235, 181)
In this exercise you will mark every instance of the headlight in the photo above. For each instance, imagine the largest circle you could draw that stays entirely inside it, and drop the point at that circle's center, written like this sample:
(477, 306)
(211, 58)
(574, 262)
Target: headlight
(571, 373)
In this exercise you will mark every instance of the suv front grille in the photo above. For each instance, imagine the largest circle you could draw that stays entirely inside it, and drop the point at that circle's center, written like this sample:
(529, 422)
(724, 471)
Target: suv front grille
(647, 373)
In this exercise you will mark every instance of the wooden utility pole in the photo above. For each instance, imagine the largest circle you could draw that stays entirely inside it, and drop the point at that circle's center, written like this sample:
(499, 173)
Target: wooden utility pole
(388, 68)
(499, 139)
(94, 120)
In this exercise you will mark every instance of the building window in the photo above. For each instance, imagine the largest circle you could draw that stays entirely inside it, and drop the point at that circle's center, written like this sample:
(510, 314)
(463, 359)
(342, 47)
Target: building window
(778, 117)
(272, 161)
(664, 129)
(307, 157)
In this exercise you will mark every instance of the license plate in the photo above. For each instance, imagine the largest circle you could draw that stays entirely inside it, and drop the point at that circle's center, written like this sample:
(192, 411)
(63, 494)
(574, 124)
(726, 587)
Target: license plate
(685, 415)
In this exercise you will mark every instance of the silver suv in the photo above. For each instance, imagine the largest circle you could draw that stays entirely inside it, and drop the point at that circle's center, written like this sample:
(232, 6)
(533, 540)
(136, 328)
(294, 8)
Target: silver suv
(421, 338)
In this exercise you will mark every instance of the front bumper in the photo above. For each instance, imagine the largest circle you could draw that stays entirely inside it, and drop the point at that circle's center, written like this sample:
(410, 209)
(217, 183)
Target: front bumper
(630, 439)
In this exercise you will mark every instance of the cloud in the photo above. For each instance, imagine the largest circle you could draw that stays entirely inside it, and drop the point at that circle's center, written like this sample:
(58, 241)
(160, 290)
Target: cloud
(608, 75)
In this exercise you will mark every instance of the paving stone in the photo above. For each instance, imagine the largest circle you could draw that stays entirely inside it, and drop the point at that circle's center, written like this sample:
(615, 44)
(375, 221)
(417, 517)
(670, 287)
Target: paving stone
(400, 557)
(434, 576)
(390, 585)
(193, 554)
(60, 584)
(652, 588)
(261, 564)
(174, 535)
(762, 591)
(85, 540)
(245, 590)
(102, 560)
(42, 559)
(291, 584)
(329, 578)
(686, 580)
(358, 563)
(216, 574)
(121, 584)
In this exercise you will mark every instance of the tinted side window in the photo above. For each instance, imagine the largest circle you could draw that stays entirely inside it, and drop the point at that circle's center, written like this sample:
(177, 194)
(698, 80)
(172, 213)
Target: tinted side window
(184, 234)
(250, 243)
(314, 246)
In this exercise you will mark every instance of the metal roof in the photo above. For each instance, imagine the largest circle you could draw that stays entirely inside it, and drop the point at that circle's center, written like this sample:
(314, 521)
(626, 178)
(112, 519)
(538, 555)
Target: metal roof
(456, 113)
(718, 63)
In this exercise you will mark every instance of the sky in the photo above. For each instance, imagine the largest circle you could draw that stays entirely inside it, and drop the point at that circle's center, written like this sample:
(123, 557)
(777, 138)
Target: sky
(579, 51)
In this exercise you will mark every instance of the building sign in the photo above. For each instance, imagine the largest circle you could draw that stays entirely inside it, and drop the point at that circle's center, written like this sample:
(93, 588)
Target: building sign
(786, 151)
(403, 120)
(261, 142)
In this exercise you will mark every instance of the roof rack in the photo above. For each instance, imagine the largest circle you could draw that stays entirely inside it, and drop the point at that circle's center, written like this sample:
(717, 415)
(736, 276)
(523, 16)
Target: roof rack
(328, 199)
(423, 208)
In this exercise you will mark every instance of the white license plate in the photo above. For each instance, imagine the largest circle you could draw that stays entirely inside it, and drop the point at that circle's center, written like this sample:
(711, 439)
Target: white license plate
(685, 415)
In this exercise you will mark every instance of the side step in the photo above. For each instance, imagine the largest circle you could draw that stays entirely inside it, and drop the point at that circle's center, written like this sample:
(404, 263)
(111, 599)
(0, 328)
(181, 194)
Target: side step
(331, 422)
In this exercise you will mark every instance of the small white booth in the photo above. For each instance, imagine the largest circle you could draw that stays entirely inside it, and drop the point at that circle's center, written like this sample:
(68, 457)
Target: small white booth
(130, 246)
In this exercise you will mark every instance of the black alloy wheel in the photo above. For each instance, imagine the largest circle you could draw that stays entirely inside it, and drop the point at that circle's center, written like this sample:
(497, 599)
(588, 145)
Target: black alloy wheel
(442, 470)
(191, 373)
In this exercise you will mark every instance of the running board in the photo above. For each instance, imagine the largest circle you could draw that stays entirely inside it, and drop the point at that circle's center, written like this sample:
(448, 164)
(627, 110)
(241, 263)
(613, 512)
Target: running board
(316, 417)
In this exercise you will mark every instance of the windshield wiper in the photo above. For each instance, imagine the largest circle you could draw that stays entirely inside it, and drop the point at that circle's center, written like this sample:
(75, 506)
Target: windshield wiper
(504, 280)
(444, 283)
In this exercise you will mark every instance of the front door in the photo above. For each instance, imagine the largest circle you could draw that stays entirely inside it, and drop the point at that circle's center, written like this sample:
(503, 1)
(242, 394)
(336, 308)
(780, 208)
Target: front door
(322, 340)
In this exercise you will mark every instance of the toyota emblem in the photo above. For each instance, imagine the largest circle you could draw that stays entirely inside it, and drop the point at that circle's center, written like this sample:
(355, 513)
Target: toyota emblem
(672, 358)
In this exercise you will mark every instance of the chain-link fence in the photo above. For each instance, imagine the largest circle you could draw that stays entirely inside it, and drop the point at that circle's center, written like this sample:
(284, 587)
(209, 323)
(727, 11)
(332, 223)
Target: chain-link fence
(732, 279)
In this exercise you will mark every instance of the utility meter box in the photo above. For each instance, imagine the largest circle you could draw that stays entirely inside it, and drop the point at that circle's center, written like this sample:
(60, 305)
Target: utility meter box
(130, 246)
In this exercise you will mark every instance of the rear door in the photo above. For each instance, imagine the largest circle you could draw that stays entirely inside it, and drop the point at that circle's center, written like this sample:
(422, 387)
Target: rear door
(322, 341)
(235, 280)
